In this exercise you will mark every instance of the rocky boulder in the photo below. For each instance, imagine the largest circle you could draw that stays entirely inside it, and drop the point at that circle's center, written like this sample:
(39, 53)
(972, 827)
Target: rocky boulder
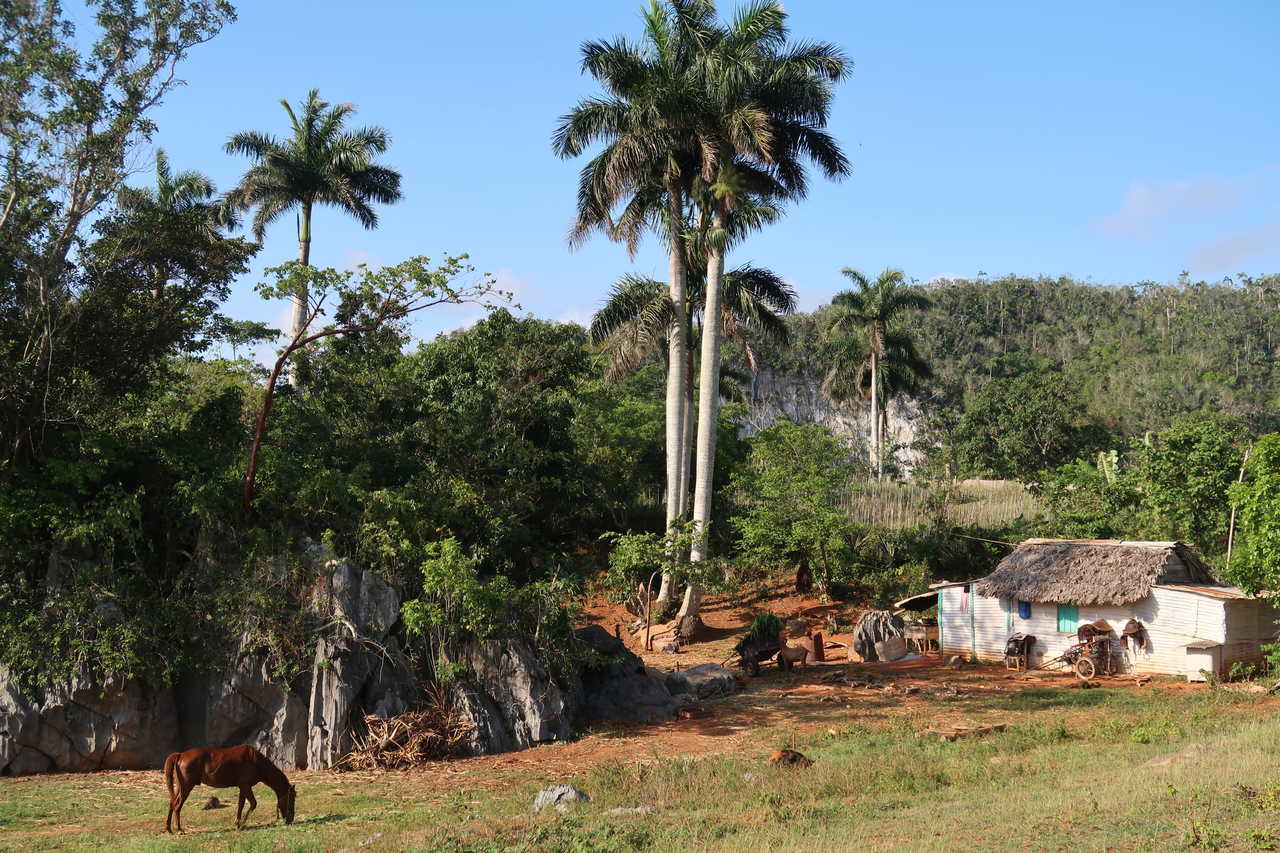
(510, 698)
(619, 688)
(246, 704)
(78, 725)
(705, 681)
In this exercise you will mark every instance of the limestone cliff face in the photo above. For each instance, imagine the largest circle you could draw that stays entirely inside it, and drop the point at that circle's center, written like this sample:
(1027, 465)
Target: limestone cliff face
(798, 396)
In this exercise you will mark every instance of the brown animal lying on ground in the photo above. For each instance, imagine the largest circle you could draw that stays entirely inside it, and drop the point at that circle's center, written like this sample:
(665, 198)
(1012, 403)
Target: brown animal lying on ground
(789, 758)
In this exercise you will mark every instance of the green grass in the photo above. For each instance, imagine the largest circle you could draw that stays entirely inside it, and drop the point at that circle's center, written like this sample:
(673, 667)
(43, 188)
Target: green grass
(975, 503)
(1071, 772)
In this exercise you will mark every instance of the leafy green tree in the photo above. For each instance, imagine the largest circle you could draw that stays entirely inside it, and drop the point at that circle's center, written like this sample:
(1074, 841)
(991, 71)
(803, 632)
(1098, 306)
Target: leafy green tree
(1184, 475)
(1255, 561)
(368, 301)
(615, 432)
(74, 107)
(319, 163)
(873, 354)
(787, 498)
(1086, 501)
(1020, 426)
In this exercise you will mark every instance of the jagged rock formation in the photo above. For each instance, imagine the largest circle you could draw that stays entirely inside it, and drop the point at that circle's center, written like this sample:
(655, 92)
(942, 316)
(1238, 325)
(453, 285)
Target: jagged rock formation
(79, 725)
(510, 699)
(621, 689)
(798, 396)
(359, 668)
(704, 681)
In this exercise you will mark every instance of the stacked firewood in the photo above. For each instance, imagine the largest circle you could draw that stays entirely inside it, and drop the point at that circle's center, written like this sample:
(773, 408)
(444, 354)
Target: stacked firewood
(433, 729)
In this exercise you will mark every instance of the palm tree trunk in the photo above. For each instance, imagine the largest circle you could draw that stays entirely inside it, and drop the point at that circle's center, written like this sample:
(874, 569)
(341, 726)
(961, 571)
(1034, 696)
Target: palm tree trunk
(708, 412)
(686, 470)
(875, 416)
(677, 360)
(686, 459)
(304, 258)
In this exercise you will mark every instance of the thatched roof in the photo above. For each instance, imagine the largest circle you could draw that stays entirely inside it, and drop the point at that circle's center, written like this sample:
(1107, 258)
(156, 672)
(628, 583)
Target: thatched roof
(1091, 571)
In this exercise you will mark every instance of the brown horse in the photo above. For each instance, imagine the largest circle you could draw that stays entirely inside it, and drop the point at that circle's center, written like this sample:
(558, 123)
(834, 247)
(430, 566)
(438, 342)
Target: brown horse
(234, 767)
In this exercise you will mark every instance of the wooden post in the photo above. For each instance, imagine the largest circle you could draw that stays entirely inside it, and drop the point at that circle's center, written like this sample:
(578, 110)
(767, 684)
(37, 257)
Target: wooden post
(819, 652)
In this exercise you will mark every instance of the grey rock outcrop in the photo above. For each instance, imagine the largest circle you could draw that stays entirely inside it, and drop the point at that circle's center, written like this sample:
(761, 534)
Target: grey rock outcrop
(621, 689)
(510, 698)
(798, 397)
(705, 681)
(247, 705)
(358, 669)
(78, 725)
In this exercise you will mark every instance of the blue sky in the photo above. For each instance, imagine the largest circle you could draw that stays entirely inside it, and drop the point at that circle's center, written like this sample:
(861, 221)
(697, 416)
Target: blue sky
(1110, 141)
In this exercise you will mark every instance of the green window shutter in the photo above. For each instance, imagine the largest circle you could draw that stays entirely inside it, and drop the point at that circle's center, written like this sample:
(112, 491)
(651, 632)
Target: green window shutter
(1068, 618)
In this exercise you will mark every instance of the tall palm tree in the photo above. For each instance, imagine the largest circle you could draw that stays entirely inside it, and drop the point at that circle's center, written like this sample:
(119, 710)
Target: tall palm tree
(633, 323)
(872, 355)
(646, 122)
(319, 163)
(765, 107)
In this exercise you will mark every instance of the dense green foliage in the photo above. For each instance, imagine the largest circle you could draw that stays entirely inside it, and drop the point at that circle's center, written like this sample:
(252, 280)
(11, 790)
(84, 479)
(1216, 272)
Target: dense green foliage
(787, 499)
(1173, 484)
(1255, 564)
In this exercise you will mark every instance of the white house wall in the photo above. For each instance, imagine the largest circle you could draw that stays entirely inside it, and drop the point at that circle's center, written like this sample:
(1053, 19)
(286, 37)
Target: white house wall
(1172, 619)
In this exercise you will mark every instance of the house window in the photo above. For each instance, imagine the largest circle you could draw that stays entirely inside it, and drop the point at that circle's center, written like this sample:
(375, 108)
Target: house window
(1024, 609)
(1068, 618)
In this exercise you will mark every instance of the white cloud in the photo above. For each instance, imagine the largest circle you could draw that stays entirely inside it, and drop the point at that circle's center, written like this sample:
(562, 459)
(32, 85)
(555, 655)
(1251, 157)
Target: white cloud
(1226, 254)
(577, 314)
(1145, 206)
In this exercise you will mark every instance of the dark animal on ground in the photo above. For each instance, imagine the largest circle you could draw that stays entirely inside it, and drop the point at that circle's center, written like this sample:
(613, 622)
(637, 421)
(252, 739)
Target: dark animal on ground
(234, 767)
(790, 758)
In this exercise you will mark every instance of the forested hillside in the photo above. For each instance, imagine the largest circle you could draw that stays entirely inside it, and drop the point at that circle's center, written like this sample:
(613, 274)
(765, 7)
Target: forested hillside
(1118, 361)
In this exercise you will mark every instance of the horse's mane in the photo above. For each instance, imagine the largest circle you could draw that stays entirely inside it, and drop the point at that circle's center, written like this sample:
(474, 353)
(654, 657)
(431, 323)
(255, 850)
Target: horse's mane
(271, 775)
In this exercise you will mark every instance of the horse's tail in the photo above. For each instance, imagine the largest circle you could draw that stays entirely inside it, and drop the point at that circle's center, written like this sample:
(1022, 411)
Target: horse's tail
(170, 764)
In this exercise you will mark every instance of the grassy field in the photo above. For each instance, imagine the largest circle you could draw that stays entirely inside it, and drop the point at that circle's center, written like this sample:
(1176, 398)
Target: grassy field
(1163, 768)
(972, 503)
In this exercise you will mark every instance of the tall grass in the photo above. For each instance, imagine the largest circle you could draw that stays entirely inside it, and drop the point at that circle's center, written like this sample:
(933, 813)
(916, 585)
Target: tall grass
(969, 503)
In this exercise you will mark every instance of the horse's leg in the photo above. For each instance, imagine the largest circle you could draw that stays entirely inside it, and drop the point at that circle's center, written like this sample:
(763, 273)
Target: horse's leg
(253, 804)
(240, 808)
(185, 787)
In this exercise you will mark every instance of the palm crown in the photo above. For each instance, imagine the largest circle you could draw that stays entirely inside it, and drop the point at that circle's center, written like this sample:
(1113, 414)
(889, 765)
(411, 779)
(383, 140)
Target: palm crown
(186, 192)
(319, 163)
(872, 355)
(632, 324)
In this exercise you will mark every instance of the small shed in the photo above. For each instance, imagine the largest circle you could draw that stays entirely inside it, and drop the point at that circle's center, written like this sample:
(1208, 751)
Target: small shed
(1050, 587)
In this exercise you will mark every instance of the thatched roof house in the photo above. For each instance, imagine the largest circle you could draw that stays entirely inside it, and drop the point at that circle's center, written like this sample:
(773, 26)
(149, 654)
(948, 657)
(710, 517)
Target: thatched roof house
(1091, 571)
(1049, 588)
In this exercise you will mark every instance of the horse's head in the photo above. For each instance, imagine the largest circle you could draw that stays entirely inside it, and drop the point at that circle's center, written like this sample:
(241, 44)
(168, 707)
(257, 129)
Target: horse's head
(286, 804)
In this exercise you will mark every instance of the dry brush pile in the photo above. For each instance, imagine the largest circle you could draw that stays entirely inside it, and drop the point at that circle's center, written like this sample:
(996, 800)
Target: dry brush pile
(433, 729)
